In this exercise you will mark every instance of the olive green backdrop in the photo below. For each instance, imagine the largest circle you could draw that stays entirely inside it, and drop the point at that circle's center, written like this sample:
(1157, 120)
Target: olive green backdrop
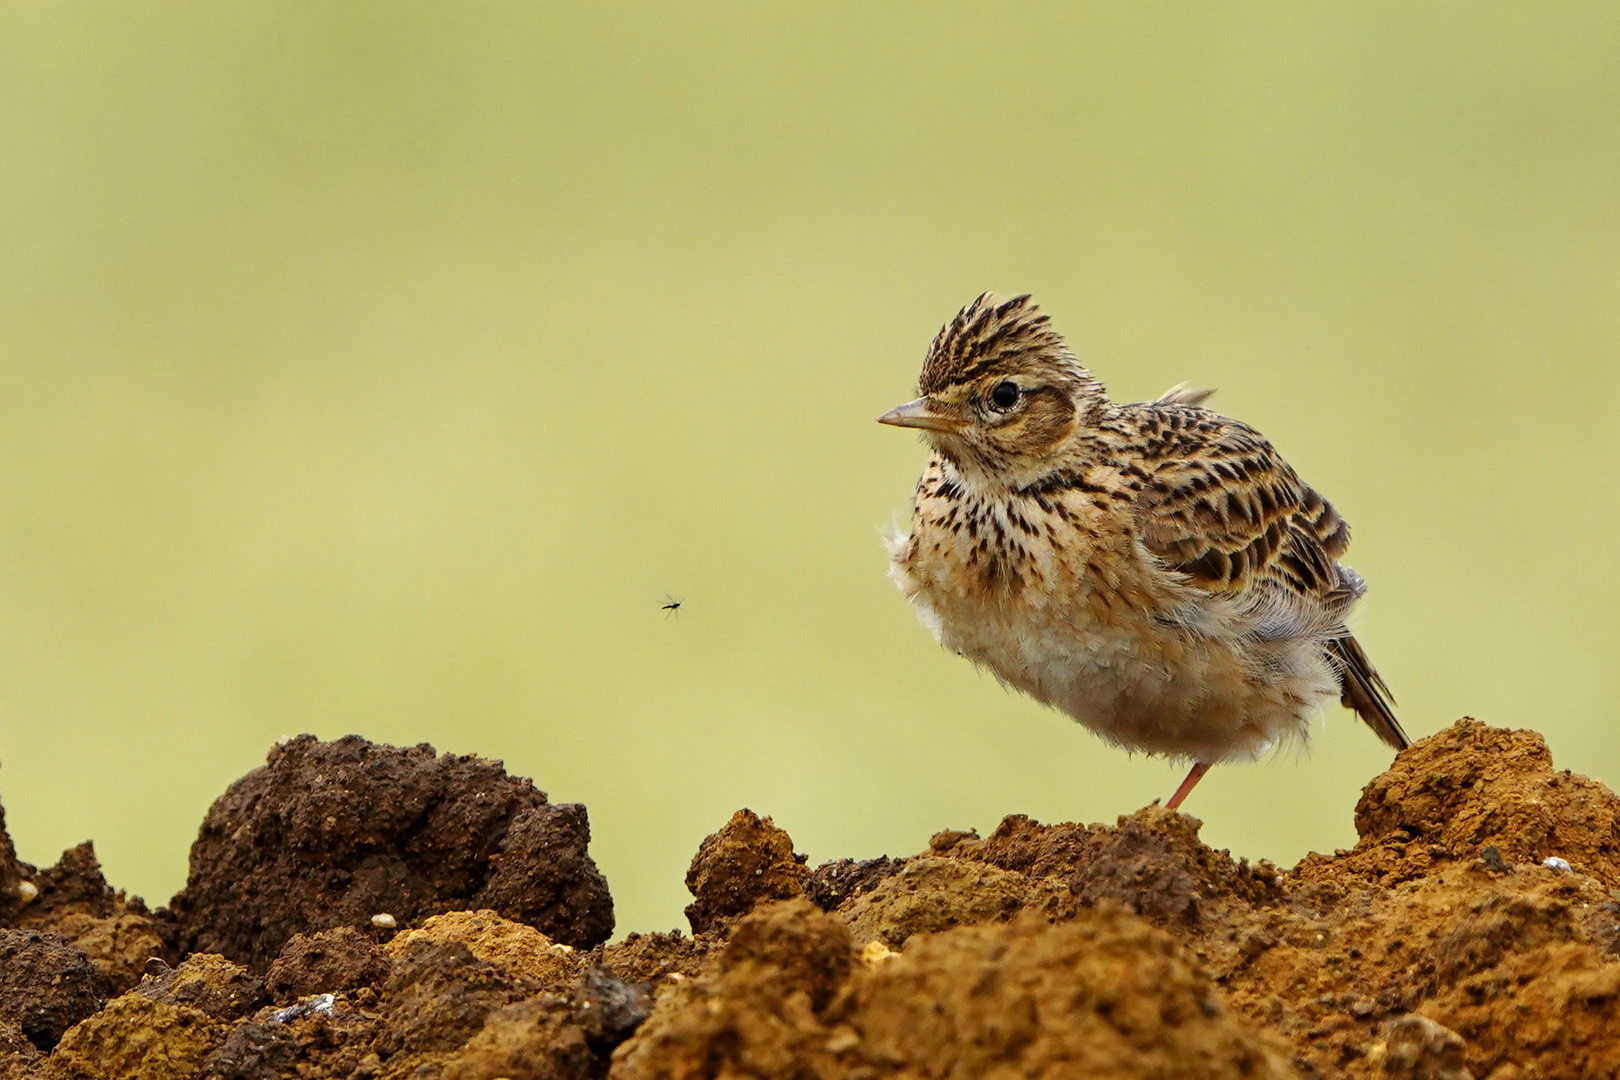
(379, 368)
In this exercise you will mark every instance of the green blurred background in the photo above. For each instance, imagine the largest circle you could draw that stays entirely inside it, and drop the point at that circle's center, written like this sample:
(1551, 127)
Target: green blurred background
(379, 368)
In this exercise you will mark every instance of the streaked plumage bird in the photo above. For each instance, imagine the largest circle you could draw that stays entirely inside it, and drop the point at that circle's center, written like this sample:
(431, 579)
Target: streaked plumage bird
(1156, 571)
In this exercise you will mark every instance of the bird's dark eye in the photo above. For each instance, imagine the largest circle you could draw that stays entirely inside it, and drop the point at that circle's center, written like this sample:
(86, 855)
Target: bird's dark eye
(1005, 395)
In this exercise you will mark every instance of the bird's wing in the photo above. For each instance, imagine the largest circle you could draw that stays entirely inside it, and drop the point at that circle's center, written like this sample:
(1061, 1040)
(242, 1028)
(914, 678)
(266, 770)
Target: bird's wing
(1221, 506)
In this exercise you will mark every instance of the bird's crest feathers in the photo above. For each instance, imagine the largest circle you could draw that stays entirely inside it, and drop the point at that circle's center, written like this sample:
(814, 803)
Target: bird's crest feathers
(986, 334)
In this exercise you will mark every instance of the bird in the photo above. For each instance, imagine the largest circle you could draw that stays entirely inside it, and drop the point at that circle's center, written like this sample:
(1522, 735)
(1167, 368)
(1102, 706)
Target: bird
(1154, 570)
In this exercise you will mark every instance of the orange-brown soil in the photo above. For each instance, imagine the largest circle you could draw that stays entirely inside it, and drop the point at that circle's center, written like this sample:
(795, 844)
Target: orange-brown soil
(358, 911)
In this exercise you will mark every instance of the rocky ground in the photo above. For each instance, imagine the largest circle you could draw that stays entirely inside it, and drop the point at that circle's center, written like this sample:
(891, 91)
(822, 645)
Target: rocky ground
(360, 911)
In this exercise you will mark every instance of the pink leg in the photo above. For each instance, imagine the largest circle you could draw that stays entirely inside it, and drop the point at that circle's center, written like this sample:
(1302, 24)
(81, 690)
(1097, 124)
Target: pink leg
(1197, 774)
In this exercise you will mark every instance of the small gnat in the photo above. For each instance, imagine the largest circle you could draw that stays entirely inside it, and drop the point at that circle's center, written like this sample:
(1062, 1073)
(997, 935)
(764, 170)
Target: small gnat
(1553, 862)
(27, 892)
(384, 921)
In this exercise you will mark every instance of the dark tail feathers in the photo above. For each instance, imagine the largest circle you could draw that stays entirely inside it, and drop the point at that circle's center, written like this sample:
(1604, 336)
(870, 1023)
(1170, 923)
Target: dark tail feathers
(1365, 691)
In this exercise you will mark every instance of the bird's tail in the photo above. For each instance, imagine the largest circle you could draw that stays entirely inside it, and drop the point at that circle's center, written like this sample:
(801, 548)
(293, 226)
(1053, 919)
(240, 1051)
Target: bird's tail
(1364, 691)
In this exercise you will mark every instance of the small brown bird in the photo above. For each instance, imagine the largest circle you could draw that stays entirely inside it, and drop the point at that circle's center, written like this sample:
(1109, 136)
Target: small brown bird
(1156, 571)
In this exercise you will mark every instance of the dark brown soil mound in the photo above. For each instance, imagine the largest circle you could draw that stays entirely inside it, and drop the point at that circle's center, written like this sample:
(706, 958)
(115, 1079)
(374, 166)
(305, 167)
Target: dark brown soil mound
(332, 834)
(1470, 933)
(49, 986)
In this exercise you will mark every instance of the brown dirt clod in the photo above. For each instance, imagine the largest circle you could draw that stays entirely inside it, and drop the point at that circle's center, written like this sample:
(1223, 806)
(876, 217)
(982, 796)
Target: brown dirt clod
(342, 958)
(208, 983)
(521, 951)
(438, 996)
(1024, 998)
(932, 894)
(1151, 862)
(11, 876)
(136, 1038)
(46, 985)
(834, 882)
(535, 1039)
(121, 946)
(330, 834)
(1470, 787)
(318, 1044)
(72, 899)
(1028, 997)
(756, 1012)
(655, 958)
(747, 861)
(75, 885)
(544, 877)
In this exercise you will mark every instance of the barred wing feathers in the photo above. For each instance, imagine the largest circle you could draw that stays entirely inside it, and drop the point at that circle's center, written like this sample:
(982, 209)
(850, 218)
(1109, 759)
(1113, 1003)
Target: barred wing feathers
(1217, 503)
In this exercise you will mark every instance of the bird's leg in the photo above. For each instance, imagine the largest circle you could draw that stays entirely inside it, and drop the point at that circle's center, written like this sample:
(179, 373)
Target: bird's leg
(1197, 774)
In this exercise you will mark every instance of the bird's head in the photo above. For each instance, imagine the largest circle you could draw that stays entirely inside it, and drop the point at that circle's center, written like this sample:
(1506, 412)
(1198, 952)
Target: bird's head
(1001, 393)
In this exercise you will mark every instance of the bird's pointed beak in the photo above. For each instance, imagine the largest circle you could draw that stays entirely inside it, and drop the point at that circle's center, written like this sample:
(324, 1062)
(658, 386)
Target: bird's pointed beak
(924, 414)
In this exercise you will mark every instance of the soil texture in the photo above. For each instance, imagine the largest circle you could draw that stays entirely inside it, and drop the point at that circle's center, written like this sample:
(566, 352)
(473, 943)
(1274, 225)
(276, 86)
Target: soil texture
(364, 912)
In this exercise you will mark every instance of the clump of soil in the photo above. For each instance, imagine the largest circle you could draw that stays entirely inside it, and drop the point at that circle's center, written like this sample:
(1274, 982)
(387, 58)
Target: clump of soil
(352, 910)
(842, 879)
(333, 834)
(208, 983)
(931, 894)
(1102, 991)
(1471, 933)
(136, 1038)
(48, 985)
(1472, 787)
(342, 958)
(747, 861)
(1444, 945)
(73, 900)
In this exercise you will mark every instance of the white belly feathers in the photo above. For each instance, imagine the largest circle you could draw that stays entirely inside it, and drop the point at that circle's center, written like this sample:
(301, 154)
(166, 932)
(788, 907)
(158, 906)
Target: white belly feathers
(1130, 672)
